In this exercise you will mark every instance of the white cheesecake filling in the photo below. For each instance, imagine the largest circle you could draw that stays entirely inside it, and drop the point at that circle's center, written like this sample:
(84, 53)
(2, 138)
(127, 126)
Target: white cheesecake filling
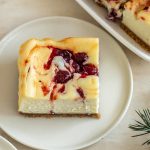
(137, 26)
(37, 106)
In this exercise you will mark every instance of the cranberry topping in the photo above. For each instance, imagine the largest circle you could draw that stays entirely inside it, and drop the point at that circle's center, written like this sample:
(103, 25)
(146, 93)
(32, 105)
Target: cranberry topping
(53, 96)
(53, 54)
(62, 76)
(146, 8)
(26, 61)
(83, 75)
(45, 90)
(80, 92)
(76, 67)
(80, 57)
(62, 89)
(66, 54)
(78, 64)
(112, 15)
(90, 69)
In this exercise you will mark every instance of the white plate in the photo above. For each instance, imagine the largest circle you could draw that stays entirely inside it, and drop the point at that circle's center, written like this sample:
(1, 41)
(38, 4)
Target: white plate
(99, 14)
(64, 133)
(6, 145)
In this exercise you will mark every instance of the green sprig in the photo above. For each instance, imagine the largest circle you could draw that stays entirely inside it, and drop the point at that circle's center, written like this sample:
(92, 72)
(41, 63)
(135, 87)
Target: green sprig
(142, 126)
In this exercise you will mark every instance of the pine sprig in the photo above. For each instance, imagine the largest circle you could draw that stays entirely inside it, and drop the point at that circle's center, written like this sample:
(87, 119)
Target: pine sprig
(142, 126)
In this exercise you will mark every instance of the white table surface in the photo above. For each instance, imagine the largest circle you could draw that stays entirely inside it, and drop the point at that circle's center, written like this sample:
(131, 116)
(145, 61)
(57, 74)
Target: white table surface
(17, 12)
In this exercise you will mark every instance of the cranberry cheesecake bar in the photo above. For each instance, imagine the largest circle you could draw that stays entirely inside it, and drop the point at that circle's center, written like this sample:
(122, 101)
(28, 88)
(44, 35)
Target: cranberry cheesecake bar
(136, 20)
(59, 78)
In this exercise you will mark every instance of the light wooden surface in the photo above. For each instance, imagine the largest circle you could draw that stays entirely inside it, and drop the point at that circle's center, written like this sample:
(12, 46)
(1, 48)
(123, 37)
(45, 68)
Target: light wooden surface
(16, 12)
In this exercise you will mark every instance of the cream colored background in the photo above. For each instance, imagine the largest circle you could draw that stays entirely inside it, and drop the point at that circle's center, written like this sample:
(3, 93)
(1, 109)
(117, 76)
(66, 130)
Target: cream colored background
(17, 12)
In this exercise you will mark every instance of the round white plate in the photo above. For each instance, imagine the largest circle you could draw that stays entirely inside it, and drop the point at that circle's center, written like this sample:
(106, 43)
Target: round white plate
(6, 145)
(64, 133)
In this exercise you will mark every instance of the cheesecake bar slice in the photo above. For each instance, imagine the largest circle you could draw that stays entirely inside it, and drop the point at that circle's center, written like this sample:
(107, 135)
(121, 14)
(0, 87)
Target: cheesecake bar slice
(136, 21)
(59, 78)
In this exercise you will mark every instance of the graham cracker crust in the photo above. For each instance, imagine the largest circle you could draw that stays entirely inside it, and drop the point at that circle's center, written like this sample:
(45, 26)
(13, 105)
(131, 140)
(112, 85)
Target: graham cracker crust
(97, 116)
(135, 37)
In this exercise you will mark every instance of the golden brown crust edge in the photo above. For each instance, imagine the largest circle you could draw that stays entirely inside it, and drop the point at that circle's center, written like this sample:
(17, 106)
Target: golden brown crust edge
(135, 37)
(97, 116)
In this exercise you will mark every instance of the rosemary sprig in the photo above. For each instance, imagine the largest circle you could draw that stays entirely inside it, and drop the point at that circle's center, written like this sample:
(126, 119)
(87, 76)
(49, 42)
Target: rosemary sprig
(142, 126)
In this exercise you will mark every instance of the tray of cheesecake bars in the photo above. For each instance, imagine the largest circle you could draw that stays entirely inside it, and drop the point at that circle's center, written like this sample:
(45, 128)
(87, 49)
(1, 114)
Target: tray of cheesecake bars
(127, 21)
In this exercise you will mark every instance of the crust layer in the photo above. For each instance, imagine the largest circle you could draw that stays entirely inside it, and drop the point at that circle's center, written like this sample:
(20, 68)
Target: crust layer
(97, 116)
(134, 37)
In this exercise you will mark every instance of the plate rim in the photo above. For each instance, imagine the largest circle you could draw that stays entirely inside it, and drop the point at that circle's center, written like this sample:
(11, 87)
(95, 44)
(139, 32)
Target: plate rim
(121, 39)
(8, 143)
(130, 76)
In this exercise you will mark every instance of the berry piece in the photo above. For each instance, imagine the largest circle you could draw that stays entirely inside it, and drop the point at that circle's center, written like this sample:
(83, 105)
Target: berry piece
(90, 69)
(62, 77)
(80, 92)
(80, 57)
